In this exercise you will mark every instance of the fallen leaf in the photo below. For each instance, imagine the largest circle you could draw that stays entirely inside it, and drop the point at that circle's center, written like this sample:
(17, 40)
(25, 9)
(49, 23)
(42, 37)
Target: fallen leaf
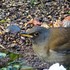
(35, 22)
(1, 46)
(66, 22)
(1, 33)
(67, 18)
(45, 25)
(50, 24)
(57, 23)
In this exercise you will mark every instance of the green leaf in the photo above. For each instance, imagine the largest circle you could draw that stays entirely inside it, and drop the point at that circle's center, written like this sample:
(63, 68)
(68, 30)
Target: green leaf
(13, 56)
(17, 66)
(68, 12)
(3, 69)
(2, 21)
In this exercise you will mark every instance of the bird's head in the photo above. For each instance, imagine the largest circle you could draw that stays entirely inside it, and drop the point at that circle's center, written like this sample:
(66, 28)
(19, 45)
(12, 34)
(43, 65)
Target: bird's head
(39, 34)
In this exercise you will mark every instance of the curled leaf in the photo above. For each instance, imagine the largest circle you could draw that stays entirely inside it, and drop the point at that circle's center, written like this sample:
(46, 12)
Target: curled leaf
(67, 18)
(58, 23)
(66, 21)
(45, 25)
(34, 22)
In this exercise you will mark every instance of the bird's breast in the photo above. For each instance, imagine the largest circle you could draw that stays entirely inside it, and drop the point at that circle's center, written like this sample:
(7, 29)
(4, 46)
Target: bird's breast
(51, 56)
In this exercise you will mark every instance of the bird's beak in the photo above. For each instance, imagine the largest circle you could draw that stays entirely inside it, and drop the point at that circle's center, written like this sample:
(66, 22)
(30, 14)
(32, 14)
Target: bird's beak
(26, 35)
(29, 33)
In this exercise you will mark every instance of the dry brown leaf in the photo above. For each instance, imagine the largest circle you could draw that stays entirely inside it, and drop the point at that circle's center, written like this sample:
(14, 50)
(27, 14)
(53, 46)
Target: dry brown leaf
(45, 25)
(66, 22)
(1, 33)
(34, 22)
(30, 22)
(67, 18)
(50, 24)
(57, 23)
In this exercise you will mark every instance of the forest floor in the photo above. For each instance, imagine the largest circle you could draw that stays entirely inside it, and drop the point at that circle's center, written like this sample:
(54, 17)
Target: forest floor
(19, 12)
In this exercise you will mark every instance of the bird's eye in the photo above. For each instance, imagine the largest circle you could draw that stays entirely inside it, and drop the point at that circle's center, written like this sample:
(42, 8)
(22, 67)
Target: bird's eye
(36, 34)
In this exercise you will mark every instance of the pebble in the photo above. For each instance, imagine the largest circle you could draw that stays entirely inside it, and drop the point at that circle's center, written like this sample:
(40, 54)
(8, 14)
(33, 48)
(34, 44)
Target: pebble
(13, 29)
(2, 55)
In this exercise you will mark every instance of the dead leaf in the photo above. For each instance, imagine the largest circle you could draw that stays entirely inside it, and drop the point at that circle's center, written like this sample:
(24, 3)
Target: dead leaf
(1, 32)
(45, 25)
(67, 18)
(1, 46)
(57, 23)
(66, 22)
(50, 24)
(34, 22)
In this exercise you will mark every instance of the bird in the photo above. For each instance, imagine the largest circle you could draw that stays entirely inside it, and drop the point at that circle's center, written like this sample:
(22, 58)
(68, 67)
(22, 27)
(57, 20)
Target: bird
(51, 45)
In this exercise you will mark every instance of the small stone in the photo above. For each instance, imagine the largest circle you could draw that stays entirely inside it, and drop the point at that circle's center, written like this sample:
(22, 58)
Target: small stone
(13, 29)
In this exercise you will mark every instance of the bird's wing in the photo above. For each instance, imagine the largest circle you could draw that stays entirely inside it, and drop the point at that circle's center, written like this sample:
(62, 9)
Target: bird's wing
(60, 39)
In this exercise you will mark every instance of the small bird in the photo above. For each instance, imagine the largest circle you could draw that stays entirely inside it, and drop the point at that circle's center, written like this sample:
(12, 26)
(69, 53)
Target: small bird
(51, 45)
